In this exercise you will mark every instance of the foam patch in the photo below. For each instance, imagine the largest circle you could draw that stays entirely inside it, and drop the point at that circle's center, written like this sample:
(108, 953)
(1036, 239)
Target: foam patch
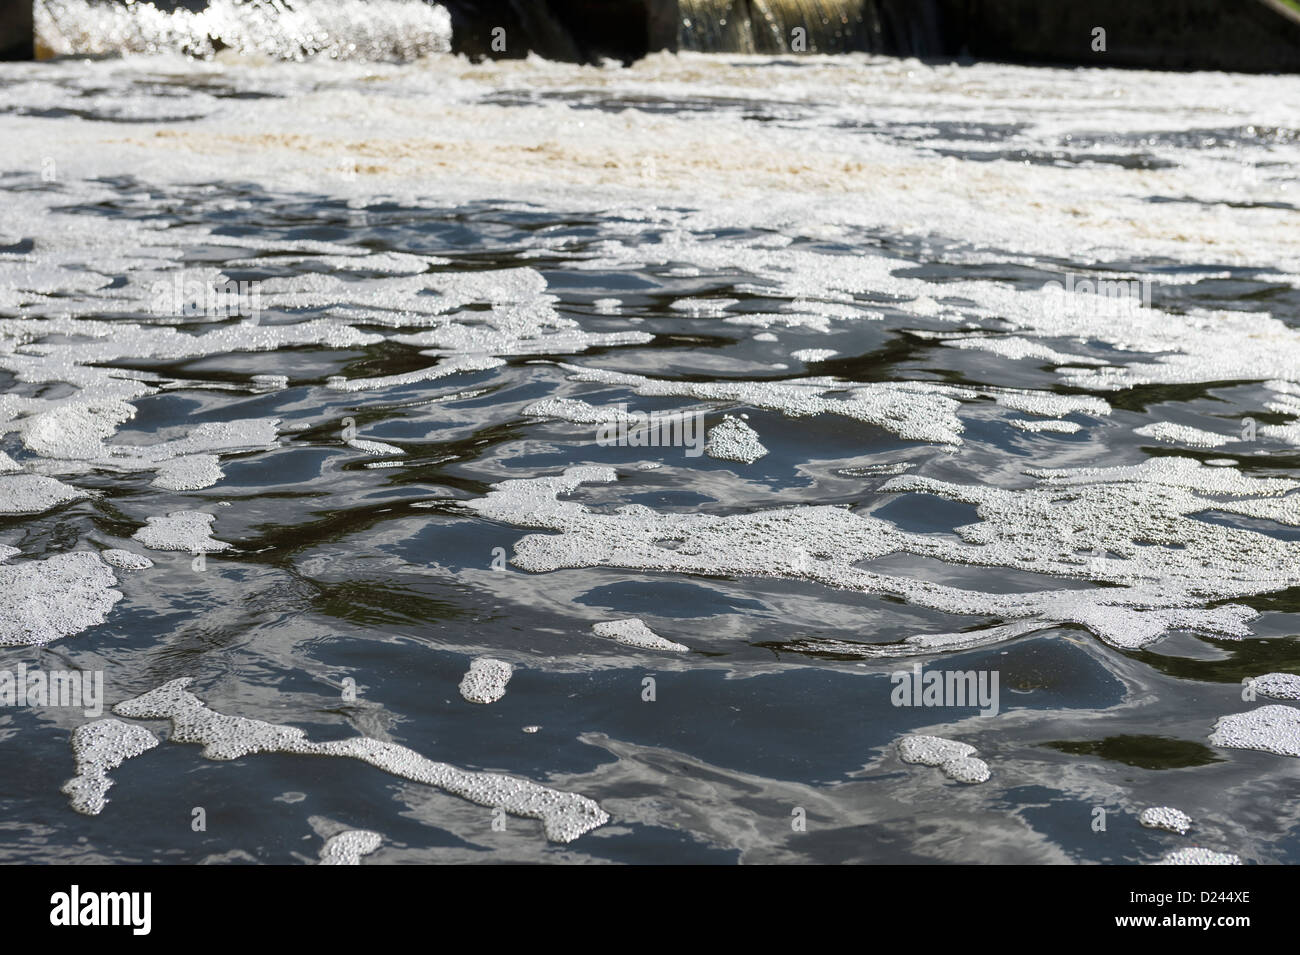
(100, 747)
(44, 600)
(633, 632)
(564, 816)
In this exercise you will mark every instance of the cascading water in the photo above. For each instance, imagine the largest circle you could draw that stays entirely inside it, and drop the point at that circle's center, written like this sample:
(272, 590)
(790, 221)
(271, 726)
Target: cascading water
(828, 26)
(339, 29)
(556, 29)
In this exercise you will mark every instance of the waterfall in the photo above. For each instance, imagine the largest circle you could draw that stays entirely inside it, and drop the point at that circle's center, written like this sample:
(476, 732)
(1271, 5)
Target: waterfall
(278, 29)
(908, 27)
(558, 29)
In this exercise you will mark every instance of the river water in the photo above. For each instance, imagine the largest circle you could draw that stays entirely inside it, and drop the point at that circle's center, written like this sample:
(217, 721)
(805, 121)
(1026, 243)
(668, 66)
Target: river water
(341, 349)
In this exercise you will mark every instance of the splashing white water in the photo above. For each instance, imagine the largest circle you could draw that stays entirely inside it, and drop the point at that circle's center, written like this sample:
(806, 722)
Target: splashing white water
(279, 29)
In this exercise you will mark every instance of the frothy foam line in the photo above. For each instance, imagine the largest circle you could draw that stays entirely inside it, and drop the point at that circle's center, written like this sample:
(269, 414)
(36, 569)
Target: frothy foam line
(1098, 526)
(633, 632)
(564, 816)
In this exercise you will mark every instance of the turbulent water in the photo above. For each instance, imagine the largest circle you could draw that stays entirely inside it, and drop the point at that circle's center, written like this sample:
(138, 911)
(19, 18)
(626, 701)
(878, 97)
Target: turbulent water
(324, 388)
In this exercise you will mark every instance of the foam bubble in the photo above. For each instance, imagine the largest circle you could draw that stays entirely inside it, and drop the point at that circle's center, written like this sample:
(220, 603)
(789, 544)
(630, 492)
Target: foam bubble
(967, 769)
(125, 559)
(373, 447)
(916, 411)
(957, 760)
(1195, 855)
(451, 366)
(76, 429)
(347, 848)
(1182, 434)
(1280, 686)
(99, 747)
(486, 679)
(931, 750)
(703, 306)
(43, 600)
(191, 472)
(733, 440)
(634, 633)
(1056, 427)
(1271, 729)
(180, 530)
(33, 494)
(1167, 818)
(1056, 529)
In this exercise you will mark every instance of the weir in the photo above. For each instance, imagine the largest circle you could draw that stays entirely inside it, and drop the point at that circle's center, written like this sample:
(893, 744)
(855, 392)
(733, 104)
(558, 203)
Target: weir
(1235, 35)
(1251, 36)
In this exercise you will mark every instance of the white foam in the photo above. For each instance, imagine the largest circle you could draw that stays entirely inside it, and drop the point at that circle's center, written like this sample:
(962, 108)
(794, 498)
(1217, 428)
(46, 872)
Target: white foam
(191, 472)
(564, 816)
(373, 447)
(486, 679)
(1195, 855)
(347, 848)
(1280, 686)
(1182, 434)
(703, 306)
(915, 411)
(125, 559)
(1036, 425)
(43, 600)
(957, 760)
(967, 769)
(1270, 729)
(1167, 818)
(331, 29)
(74, 429)
(814, 354)
(1014, 347)
(99, 747)
(932, 750)
(1056, 529)
(181, 530)
(451, 366)
(733, 440)
(634, 633)
(34, 494)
